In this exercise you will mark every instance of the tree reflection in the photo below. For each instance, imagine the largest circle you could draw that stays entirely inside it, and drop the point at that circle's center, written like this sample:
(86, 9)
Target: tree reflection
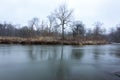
(116, 51)
(55, 55)
(35, 53)
(60, 71)
(96, 53)
(30, 53)
(77, 54)
(62, 67)
(43, 53)
(117, 54)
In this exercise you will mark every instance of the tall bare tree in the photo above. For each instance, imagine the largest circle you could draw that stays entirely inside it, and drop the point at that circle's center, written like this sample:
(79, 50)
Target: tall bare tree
(51, 22)
(97, 29)
(63, 15)
(33, 24)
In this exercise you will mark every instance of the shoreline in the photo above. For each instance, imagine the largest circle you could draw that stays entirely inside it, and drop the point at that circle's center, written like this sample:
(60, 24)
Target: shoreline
(42, 41)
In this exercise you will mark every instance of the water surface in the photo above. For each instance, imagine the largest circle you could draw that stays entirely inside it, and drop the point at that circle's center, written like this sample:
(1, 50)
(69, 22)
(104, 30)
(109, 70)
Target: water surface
(57, 62)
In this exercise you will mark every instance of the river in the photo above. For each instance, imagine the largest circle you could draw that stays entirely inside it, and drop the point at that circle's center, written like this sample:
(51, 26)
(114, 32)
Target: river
(58, 62)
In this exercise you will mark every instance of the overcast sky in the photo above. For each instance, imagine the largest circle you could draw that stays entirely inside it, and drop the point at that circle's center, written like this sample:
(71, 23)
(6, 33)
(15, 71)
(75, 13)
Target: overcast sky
(88, 11)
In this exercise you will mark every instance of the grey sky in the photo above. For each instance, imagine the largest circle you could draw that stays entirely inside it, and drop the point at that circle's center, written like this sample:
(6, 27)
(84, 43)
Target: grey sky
(88, 11)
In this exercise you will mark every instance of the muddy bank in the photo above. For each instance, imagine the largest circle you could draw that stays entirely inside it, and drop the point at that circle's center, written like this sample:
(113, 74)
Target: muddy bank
(45, 41)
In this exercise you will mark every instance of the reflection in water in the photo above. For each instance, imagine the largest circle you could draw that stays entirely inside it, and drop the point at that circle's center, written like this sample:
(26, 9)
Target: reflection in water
(44, 62)
(40, 53)
(117, 54)
(96, 53)
(62, 67)
(115, 51)
(77, 53)
(60, 71)
(30, 53)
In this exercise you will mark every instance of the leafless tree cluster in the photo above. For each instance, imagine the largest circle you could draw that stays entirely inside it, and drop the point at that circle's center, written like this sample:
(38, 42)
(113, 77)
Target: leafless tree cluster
(115, 34)
(57, 26)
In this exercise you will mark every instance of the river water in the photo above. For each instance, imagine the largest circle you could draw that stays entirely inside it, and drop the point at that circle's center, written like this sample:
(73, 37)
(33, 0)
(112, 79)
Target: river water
(58, 62)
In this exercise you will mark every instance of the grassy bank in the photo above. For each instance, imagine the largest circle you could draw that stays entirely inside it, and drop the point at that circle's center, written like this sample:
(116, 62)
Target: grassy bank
(49, 41)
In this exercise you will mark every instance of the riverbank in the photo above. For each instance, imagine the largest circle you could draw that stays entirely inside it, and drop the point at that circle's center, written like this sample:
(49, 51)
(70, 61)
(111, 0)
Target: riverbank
(48, 41)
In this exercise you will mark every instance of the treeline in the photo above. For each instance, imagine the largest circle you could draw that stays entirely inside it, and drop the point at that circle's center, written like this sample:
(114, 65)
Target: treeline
(114, 35)
(76, 31)
(60, 25)
(10, 30)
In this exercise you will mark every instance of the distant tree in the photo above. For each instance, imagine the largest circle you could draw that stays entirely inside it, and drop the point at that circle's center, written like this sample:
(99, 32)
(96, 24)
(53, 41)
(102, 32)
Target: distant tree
(78, 29)
(24, 32)
(44, 28)
(11, 30)
(51, 22)
(8, 29)
(1, 29)
(97, 31)
(63, 15)
(111, 35)
(33, 25)
(89, 33)
(115, 34)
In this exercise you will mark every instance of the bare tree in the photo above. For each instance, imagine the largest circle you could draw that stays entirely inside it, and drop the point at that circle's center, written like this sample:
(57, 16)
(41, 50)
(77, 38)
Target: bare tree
(52, 21)
(115, 34)
(33, 24)
(78, 29)
(98, 31)
(63, 15)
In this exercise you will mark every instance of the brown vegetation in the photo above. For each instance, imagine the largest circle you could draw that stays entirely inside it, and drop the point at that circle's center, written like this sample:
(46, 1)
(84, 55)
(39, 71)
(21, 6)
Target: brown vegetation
(48, 41)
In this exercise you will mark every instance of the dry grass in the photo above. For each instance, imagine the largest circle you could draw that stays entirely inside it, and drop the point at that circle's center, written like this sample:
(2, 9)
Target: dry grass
(47, 40)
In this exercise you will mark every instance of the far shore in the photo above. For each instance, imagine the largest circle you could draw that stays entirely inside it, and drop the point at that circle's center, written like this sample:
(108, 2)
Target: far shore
(49, 41)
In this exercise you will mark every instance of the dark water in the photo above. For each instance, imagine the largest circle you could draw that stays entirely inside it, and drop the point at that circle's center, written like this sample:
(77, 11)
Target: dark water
(42, 62)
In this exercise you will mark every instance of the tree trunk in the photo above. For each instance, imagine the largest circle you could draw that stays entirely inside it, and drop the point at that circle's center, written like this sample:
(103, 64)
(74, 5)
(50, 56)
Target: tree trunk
(62, 31)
